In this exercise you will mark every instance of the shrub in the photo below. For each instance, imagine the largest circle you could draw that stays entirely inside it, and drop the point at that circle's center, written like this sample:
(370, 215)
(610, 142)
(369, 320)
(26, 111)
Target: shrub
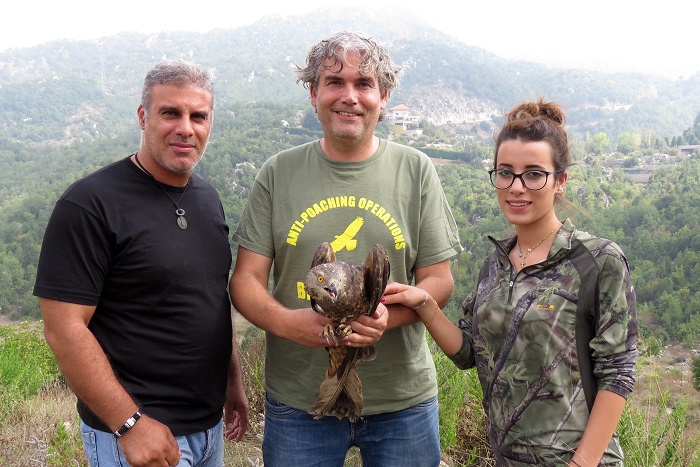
(659, 435)
(26, 364)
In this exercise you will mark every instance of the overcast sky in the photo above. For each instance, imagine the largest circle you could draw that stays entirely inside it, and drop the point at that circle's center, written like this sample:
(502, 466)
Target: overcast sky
(612, 35)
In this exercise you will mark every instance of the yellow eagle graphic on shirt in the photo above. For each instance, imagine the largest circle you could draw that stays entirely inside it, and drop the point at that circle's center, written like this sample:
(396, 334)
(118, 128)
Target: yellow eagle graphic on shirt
(347, 239)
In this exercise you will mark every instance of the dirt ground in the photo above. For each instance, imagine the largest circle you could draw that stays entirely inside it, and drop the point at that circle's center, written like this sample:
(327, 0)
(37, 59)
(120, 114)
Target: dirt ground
(677, 358)
(4, 320)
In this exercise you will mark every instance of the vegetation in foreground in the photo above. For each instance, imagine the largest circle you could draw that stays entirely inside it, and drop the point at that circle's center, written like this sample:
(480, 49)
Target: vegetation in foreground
(39, 425)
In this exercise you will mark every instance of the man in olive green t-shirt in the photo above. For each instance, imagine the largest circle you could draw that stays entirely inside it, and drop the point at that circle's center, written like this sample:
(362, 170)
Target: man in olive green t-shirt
(354, 190)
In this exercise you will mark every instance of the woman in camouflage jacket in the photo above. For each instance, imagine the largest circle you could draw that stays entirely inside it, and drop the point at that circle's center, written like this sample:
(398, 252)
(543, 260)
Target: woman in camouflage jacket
(520, 328)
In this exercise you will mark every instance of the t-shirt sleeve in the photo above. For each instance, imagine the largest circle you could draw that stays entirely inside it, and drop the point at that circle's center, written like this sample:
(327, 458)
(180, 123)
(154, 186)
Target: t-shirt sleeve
(438, 239)
(74, 258)
(254, 231)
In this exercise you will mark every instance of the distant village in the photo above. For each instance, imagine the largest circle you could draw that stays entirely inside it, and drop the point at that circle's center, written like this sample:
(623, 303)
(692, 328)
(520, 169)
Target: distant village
(404, 116)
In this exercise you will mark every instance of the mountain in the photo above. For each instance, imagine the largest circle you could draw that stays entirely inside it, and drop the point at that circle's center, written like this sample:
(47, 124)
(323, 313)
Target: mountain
(69, 107)
(68, 91)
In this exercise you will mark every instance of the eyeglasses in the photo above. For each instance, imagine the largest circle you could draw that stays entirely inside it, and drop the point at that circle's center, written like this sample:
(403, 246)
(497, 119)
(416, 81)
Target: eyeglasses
(502, 179)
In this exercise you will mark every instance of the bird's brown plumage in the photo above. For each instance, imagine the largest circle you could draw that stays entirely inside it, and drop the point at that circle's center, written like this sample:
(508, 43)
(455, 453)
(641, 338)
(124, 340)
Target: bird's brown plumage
(342, 292)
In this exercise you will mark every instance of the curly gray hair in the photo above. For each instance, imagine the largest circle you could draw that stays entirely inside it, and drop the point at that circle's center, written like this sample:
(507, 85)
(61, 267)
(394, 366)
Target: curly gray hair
(375, 59)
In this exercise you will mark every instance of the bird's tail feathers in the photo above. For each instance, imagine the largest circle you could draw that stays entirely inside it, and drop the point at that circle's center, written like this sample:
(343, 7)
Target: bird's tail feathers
(340, 393)
(339, 400)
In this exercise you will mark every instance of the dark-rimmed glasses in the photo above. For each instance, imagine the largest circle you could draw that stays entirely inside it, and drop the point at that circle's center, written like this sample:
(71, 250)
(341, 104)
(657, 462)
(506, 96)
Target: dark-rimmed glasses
(502, 179)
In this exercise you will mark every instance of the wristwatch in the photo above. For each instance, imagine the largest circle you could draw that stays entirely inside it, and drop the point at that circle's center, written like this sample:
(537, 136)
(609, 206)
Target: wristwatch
(131, 421)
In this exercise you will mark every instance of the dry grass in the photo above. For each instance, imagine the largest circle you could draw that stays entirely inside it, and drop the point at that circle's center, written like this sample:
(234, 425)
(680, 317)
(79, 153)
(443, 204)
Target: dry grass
(669, 372)
(252, 353)
(472, 446)
(27, 435)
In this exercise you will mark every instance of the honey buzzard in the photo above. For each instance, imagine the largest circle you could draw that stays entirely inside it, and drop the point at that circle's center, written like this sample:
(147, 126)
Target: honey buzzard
(342, 292)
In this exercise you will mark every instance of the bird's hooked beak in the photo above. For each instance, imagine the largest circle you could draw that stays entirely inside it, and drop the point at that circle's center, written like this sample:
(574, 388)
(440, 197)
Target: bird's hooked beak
(332, 291)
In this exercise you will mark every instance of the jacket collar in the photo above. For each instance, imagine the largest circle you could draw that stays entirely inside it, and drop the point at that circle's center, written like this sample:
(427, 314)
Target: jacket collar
(560, 249)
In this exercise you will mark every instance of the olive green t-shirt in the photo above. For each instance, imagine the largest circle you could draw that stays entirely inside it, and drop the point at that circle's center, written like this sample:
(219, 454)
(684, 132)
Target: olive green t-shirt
(300, 199)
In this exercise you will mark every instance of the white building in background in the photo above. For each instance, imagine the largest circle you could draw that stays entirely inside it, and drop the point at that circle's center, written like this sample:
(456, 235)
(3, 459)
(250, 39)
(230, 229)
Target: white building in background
(404, 116)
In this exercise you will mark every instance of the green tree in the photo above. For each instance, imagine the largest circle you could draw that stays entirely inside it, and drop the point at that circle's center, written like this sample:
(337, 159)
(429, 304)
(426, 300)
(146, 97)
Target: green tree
(598, 144)
(628, 142)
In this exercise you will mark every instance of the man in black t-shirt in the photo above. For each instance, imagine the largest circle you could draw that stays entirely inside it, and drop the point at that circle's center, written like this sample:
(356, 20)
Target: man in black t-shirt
(132, 281)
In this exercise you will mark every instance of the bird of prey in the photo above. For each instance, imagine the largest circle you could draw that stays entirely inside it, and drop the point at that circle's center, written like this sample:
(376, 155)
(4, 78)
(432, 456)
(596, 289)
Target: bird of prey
(342, 292)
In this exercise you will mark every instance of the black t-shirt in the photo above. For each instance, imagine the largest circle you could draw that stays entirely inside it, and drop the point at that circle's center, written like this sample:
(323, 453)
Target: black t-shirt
(163, 315)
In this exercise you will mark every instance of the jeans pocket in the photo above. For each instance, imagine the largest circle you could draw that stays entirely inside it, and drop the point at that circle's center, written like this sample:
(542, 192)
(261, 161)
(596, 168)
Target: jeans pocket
(90, 446)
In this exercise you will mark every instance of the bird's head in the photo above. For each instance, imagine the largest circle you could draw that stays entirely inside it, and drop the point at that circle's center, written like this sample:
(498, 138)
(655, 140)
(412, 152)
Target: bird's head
(321, 284)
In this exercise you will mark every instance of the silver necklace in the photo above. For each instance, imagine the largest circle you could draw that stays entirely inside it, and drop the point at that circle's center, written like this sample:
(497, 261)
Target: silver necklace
(179, 212)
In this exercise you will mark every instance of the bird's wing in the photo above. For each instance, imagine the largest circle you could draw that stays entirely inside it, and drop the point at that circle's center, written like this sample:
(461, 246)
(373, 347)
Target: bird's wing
(377, 270)
(324, 254)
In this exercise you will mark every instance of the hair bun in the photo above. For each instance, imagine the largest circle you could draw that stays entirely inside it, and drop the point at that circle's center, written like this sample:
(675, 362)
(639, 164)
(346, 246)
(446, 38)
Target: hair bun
(542, 109)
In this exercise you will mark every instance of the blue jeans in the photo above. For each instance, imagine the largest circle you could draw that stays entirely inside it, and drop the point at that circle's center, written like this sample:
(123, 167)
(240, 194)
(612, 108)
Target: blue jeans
(408, 437)
(202, 449)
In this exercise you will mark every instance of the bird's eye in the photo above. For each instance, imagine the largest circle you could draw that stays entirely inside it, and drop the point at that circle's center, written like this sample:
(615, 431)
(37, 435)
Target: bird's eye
(320, 279)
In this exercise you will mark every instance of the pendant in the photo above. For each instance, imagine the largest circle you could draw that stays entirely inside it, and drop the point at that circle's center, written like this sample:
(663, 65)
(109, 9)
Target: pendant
(181, 221)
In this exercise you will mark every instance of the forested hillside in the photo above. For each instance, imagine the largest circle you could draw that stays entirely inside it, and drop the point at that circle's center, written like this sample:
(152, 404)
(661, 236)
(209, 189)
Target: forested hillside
(69, 108)
(655, 223)
(72, 91)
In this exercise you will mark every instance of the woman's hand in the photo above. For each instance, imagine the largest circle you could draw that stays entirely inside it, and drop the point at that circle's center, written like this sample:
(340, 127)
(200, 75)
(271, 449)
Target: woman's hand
(406, 295)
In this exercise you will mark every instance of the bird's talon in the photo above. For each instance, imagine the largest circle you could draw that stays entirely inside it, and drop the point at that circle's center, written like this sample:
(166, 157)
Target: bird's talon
(343, 330)
(328, 333)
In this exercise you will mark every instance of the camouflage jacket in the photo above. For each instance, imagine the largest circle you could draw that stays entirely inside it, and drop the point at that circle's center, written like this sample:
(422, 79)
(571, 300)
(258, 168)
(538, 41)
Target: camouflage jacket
(522, 341)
